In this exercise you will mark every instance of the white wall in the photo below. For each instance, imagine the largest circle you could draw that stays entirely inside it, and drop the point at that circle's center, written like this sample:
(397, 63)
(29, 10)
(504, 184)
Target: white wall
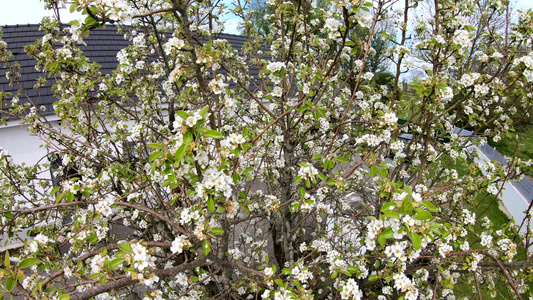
(20, 144)
(23, 147)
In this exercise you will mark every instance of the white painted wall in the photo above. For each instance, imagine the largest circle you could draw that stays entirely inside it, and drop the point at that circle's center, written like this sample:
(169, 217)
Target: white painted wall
(20, 144)
(23, 147)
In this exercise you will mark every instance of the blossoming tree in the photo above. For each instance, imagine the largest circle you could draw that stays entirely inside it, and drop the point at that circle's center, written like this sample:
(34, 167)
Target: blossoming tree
(290, 184)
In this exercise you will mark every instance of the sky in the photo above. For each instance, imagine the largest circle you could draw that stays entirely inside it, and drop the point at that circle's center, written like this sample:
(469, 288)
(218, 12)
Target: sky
(14, 12)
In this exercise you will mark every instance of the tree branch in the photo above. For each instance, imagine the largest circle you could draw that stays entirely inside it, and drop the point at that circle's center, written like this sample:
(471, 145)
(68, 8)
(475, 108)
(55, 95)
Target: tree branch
(117, 284)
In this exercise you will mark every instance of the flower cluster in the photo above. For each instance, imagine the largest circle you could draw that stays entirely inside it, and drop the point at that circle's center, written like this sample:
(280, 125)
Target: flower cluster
(350, 290)
(179, 243)
(307, 172)
(103, 207)
(141, 259)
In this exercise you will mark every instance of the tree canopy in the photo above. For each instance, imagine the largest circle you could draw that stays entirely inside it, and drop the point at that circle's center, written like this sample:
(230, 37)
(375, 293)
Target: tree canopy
(293, 182)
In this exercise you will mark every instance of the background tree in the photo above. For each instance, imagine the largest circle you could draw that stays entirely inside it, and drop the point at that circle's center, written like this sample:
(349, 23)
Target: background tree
(259, 9)
(488, 51)
(279, 185)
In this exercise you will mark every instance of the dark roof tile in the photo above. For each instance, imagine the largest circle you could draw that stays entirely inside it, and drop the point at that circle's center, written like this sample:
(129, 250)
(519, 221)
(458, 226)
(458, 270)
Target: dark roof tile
(101, 46)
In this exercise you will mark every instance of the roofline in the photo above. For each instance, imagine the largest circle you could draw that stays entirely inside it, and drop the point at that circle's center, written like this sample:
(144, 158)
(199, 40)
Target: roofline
(114, 25)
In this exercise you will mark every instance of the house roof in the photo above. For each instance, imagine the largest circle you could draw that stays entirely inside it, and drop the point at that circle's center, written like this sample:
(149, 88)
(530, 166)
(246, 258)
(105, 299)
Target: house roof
(102, 46)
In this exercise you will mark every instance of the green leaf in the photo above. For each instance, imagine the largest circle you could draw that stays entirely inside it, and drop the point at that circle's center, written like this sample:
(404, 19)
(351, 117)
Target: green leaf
(373, 278)
(205, 247)
(434, 225)
(335, 274)
(382, 240)
(204, 110)
(180, 152)
(155, 156)
(386, 234)
(286, 271)
(217, 230)
(301, 191)
(60, 196)
(298, 286)
(156, 146)
(64, 297)
(211, 204)
(422, 214)
(9, 216)
(294, 207)
(93, 239)
(279, 282)
(94, 276)
(353, 269)
(387, 207)
(214, 134)
(415, 239)
(7, 262)
(429, 206)
(116, 262)
(29, 262)
(182, 114)
(407, 206)
(87, 192)
(373, 171)
(391, 215)
(342, 159)
(187, 137)
(10, 283)
(322, 177)
(55, 190)
(246, 146)
(317, 156)
(126, 248)
(91, 21)
(236, 178)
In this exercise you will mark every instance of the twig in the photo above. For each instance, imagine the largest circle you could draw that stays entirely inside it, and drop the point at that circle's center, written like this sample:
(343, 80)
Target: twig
(117, 284)
(507, 275)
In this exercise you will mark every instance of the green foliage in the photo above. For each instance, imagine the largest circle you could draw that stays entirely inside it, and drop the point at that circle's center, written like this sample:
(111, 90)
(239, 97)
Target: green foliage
(520, 142)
